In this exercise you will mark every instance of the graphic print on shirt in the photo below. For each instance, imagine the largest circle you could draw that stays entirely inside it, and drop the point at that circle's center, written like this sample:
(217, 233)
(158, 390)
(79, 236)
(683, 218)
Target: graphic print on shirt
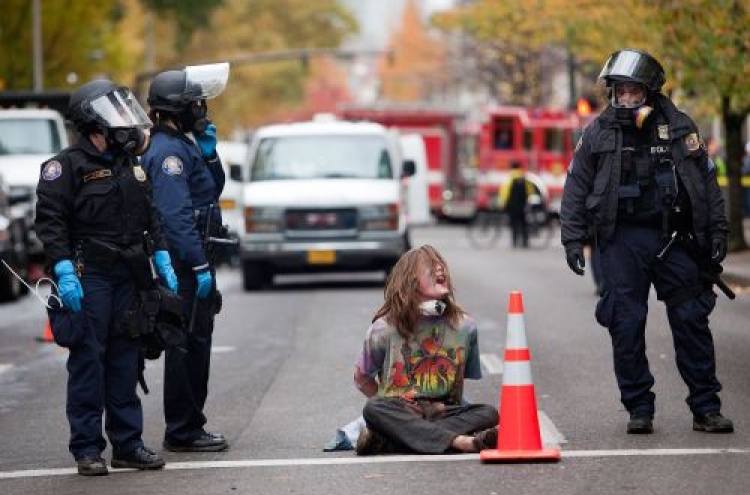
(428, 370)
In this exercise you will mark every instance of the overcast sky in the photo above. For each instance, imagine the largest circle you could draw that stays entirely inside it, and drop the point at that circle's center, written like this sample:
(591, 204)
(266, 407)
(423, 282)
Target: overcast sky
(378, 17)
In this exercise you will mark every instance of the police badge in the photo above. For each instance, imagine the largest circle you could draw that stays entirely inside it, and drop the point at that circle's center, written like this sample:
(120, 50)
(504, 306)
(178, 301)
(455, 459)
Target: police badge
(139, 173)
(663, 131)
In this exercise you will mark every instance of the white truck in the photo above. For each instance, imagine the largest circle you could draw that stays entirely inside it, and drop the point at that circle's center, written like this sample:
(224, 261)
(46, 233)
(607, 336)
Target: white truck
(322, 196)
(28, 137)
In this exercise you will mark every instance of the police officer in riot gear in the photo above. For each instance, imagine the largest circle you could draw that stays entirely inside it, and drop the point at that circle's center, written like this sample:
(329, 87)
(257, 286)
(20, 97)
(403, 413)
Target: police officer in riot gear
(639, 174)
(94, 203)
(188, 178)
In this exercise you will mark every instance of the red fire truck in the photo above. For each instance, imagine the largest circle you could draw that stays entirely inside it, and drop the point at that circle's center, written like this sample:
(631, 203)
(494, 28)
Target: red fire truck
(439, 131)
(541, 140)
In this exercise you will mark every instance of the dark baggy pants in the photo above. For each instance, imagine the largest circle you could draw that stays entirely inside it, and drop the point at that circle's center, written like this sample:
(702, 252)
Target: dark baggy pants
(103, 369)
(186, 373)
(629, 267)
(427, 428)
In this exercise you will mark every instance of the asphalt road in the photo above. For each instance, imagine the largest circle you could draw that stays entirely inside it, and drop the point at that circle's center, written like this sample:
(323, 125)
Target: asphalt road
(281, 386)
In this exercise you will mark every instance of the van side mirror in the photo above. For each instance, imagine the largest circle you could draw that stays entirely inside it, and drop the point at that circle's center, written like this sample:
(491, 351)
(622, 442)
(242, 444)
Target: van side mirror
(408, 169)
(235, 172)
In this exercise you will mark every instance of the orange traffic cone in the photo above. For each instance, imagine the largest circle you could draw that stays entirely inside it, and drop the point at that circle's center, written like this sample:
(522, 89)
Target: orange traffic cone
(47, 335)
(519, 437)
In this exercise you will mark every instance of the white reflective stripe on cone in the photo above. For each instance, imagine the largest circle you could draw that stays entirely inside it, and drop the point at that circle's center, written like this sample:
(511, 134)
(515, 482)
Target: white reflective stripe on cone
(516, 338)
(517, 373)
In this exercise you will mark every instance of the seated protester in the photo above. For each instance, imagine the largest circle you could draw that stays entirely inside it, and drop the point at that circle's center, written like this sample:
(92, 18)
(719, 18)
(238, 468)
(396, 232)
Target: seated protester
(416, 354)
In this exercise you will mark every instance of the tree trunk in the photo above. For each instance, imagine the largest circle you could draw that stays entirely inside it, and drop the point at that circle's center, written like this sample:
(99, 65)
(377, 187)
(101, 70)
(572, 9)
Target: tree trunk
(734, 152)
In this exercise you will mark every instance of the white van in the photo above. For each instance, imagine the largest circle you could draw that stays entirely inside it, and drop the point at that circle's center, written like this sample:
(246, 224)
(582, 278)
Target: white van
(321, 197)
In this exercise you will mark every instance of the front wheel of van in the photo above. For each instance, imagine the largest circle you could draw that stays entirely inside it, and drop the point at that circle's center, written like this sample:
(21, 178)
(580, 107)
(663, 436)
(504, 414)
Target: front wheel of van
(256, 275)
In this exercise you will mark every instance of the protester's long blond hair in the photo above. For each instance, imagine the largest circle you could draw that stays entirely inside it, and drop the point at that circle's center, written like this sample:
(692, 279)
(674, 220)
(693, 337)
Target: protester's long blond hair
(401, 305)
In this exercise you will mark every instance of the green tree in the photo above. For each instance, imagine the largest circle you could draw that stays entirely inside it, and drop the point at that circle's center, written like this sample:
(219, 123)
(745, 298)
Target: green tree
(705, 45)
(77, 38)
(256, 91)
(187, 15)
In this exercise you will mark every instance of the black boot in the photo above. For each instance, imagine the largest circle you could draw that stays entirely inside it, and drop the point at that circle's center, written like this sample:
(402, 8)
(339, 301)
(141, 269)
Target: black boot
(640, 425)
(712, 422)
(92, 465)
(206, 442)
(140, 458)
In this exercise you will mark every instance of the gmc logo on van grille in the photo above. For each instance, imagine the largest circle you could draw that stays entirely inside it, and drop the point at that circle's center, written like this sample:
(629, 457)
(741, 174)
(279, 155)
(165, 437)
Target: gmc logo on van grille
(321, 219)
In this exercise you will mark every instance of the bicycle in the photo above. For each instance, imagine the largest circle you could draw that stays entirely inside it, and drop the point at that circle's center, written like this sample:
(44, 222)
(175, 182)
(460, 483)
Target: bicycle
(542, 225)
(485, 229)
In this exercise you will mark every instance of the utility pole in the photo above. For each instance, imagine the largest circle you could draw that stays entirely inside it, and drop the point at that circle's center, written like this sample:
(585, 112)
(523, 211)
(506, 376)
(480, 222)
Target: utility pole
(36, 30)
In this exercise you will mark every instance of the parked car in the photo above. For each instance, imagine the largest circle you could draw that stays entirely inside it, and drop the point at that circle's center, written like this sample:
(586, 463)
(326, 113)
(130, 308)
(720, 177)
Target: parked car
(13, 251)
(322, 196)
(28, 137)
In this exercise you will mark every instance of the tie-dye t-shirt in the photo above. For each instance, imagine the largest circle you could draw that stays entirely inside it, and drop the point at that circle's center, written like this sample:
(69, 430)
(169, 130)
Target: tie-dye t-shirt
(429, 365)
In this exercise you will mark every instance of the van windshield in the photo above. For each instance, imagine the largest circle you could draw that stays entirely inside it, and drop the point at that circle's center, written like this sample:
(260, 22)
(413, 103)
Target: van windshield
(28, 137)
(318, 157)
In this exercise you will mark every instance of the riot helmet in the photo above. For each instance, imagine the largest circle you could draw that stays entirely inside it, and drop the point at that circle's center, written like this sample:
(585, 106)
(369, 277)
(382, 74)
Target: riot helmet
(630, 77)
(634, 66)
(183, 93)
(112, 110)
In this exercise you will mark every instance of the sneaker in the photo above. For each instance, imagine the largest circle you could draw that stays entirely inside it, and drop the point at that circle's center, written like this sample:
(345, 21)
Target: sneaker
(640, 425)
(486, 439)
(206, 442)
(140, 458)
(92, 465)
(712, 422)
(370, 442)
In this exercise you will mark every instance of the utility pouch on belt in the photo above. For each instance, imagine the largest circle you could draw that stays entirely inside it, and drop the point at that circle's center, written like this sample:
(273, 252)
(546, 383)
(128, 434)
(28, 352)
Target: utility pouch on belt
(155, 321)
(136, 260)
(68, 328)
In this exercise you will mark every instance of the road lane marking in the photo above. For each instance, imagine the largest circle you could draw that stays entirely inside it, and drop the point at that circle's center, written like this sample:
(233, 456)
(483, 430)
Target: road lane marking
(5, 367)
(387, 459)
(222, 349)
(549, 432)
(492, 363)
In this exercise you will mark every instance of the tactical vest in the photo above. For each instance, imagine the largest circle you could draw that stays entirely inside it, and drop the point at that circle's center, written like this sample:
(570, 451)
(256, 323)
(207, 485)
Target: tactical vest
(648, 183)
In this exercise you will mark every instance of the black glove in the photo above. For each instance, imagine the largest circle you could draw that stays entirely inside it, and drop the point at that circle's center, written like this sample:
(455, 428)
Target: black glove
(574, 257)
(718, 250)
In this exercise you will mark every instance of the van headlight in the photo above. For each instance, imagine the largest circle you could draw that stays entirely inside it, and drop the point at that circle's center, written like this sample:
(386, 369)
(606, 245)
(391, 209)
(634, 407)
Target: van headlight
(263, 220)
(379, 217)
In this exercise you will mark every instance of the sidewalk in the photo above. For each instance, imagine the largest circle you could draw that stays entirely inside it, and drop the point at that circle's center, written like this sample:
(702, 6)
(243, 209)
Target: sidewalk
(737, 265)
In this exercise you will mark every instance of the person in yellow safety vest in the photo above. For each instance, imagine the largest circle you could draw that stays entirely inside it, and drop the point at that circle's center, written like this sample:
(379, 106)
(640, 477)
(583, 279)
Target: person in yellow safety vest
(513, 198)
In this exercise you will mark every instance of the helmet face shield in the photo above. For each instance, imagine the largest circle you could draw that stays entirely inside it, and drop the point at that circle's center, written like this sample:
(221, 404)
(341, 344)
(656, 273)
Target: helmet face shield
(206, 81)
(632, 65)
(119, 108)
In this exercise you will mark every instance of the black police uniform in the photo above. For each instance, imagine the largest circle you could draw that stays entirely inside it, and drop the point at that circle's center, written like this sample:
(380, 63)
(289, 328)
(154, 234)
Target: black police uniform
(85, 196)
(622, 180)
(185, 185)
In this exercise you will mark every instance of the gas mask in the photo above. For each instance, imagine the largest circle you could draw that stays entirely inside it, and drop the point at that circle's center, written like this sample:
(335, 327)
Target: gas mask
(433, 307)
(630, 102)
(131, 140)
(194, 118)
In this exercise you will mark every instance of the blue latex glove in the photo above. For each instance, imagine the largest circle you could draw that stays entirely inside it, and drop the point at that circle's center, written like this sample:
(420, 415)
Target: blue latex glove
(164, 266)
(68, 285)
(205, 282)
(207, 141)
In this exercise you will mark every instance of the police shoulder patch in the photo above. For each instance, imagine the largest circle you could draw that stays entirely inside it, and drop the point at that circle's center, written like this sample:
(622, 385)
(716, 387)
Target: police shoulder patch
(52, 170)
(692, 142)
(172, 165)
